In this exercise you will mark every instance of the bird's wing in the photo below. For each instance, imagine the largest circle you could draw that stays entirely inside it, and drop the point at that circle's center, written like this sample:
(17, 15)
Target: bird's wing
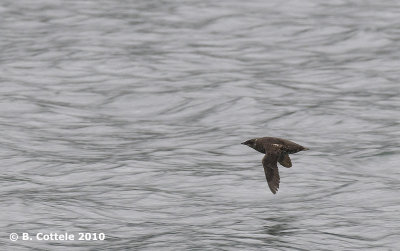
(284, 160)
(271, 169)
(283, 153)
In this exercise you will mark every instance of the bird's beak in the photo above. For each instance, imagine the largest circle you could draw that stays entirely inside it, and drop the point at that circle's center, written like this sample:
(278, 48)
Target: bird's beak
(243, 143)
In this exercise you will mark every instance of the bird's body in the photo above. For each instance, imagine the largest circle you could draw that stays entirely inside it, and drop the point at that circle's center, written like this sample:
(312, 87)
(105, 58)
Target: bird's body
(275, 150)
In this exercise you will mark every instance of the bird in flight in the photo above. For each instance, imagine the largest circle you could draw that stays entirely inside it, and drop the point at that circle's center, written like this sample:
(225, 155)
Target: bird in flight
(275, 150)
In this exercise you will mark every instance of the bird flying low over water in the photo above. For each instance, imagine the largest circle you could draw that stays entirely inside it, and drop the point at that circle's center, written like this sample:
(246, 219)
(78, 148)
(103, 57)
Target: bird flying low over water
(275, 150)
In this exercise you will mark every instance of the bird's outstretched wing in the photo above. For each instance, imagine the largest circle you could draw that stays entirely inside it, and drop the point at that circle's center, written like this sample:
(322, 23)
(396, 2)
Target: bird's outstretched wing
(271, 169)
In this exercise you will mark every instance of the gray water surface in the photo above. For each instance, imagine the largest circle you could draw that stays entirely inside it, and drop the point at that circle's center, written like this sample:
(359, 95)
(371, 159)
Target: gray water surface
(126, 118)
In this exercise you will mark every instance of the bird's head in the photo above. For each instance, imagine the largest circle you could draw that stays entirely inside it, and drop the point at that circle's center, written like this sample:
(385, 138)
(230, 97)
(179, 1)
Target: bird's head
(251, 143)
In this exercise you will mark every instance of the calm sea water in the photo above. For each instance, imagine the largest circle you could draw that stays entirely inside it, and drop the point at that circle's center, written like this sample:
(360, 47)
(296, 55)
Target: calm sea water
(126, 118)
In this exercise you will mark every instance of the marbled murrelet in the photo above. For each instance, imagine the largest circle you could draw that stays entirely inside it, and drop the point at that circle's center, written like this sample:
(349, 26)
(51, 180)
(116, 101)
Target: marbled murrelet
(275, 150)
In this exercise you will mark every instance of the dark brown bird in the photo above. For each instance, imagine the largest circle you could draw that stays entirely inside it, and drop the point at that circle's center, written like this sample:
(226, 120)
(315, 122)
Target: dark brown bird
(275, 150)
